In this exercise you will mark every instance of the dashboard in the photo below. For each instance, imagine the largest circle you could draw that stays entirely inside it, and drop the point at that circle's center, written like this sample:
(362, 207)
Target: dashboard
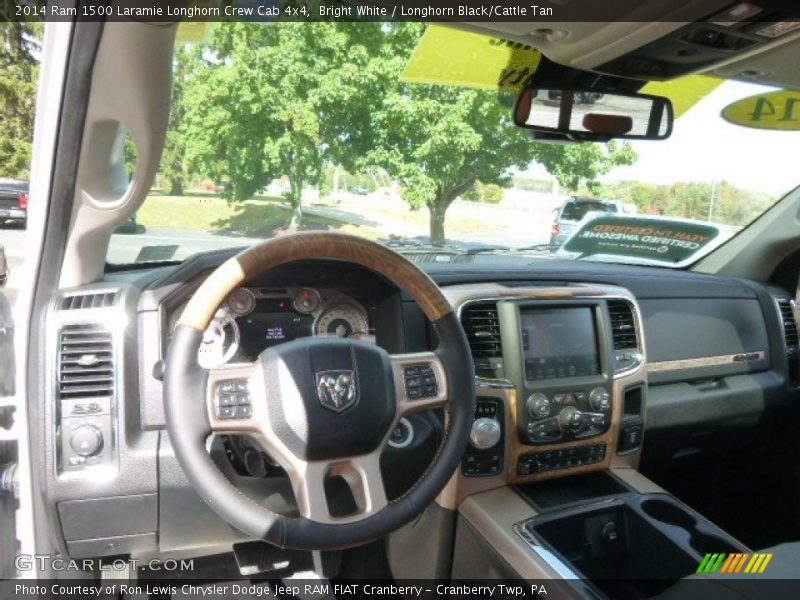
(253, 319)
(577, 365)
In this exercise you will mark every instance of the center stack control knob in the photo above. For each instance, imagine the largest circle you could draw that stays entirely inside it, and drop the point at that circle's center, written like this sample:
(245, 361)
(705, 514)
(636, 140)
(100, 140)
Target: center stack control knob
(570, 419)
(485, 433)
(538, 406)
(599, 399)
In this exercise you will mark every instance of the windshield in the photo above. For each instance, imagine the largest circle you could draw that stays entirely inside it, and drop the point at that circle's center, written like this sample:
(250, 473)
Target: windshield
(317, 126)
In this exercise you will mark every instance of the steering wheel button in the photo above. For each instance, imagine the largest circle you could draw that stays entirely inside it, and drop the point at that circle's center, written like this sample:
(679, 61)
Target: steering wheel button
(429, 391)
(414, 393)
(244, 412)
(242, 399)
(226, 386)
(227, 412)
(227, 399)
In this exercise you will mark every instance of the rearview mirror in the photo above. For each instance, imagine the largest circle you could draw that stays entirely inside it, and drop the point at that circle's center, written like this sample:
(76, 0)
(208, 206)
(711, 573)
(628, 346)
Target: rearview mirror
(592, 116)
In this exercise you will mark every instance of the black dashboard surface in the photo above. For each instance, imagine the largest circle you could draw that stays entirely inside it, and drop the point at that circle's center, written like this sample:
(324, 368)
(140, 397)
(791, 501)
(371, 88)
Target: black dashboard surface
(644, 282)
(686, 315)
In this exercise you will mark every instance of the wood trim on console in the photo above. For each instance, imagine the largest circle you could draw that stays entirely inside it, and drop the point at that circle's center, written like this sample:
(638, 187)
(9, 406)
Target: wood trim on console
(517, 448)
(704, 361)
(460, 488)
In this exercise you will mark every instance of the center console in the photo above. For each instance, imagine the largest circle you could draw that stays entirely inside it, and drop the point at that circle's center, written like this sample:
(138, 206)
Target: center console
(548, 488)
(571, 398)
(610, 534)
(560, 375)
(560, 354)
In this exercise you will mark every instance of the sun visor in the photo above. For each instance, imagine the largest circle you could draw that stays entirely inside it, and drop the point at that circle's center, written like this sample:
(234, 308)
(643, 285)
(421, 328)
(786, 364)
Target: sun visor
(450, 56)
(684, 92)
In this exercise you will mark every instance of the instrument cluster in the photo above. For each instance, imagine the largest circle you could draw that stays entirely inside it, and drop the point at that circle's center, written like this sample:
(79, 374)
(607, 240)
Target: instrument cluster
(252, 319)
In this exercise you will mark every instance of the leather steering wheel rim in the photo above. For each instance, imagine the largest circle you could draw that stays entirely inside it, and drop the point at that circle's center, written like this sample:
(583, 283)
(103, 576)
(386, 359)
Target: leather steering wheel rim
(189, 425)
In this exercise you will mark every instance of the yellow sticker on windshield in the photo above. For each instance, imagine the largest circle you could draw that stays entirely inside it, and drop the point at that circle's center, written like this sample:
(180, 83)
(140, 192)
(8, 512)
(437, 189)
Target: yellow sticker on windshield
(776, 110)
(192, 33)
(684, 92)
(455, 57)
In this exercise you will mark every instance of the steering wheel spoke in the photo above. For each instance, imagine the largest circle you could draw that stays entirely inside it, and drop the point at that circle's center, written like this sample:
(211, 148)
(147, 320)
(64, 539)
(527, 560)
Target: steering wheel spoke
(235, 399)
(315, 488)
(420, 382)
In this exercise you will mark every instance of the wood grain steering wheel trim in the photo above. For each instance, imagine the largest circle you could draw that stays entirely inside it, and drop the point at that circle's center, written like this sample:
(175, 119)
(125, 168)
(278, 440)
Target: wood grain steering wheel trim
(281, 250)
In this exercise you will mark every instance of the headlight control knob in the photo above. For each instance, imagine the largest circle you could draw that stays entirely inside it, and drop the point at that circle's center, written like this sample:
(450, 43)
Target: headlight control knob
(86, 440)
(485, 433)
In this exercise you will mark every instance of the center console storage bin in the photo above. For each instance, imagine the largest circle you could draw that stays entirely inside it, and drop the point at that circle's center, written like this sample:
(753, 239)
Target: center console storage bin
(631, 546)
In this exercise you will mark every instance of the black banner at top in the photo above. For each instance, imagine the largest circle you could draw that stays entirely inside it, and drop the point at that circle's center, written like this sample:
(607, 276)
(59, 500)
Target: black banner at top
(540, 12)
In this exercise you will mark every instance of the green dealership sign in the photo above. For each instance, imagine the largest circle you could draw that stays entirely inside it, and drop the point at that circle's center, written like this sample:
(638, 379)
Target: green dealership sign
(665, 240)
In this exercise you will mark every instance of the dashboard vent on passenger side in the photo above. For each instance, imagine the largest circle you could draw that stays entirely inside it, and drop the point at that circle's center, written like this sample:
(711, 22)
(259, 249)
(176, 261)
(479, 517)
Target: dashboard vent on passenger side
(623, 327)
(90, 300)
(85, 362)
(786, 310)
(483, 329)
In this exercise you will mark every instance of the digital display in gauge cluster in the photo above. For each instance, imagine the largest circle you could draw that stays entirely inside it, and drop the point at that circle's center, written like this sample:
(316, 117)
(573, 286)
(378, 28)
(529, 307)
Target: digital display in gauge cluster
(260, 330)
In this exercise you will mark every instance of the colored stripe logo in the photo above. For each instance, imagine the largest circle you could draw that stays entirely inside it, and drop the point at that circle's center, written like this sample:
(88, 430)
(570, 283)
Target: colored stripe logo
(737, 562)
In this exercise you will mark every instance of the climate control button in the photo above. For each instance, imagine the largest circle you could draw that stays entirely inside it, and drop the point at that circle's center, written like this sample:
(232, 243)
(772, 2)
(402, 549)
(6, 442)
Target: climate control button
(538, 405)
(599, 399)
(570, 419)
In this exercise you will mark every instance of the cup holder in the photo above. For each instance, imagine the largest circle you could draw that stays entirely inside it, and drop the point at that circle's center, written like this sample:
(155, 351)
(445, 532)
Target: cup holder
(666, 512)
(674, 514)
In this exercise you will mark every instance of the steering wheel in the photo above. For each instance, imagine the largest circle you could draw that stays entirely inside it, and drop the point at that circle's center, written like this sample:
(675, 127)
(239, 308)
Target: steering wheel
(320, 407)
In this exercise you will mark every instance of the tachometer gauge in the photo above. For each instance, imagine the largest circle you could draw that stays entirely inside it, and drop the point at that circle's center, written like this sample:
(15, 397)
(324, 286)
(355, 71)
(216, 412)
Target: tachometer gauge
(306, 300)
(220, 341)
(241, 302)
(341, 320)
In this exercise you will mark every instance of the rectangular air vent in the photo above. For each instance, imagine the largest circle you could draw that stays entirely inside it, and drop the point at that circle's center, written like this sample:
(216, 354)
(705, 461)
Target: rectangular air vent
(85, 362)
(483, 330)
(786, 310)
(90, 300)
(623, 327)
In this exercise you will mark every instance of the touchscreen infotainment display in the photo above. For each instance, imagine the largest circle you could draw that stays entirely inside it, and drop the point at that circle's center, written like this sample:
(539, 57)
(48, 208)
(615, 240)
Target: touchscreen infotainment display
(559, 342)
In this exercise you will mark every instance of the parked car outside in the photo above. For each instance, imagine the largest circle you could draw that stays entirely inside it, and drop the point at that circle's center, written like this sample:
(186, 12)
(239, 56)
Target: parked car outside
(573, 211)
(13, 201)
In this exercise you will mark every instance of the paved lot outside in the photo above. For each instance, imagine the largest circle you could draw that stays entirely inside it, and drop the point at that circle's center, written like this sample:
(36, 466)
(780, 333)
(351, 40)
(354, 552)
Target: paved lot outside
(522, 219)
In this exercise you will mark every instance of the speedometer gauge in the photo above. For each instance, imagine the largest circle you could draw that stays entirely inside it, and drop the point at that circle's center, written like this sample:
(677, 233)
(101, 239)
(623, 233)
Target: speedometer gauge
(241, 302)
(341, 320)
(220, 341)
